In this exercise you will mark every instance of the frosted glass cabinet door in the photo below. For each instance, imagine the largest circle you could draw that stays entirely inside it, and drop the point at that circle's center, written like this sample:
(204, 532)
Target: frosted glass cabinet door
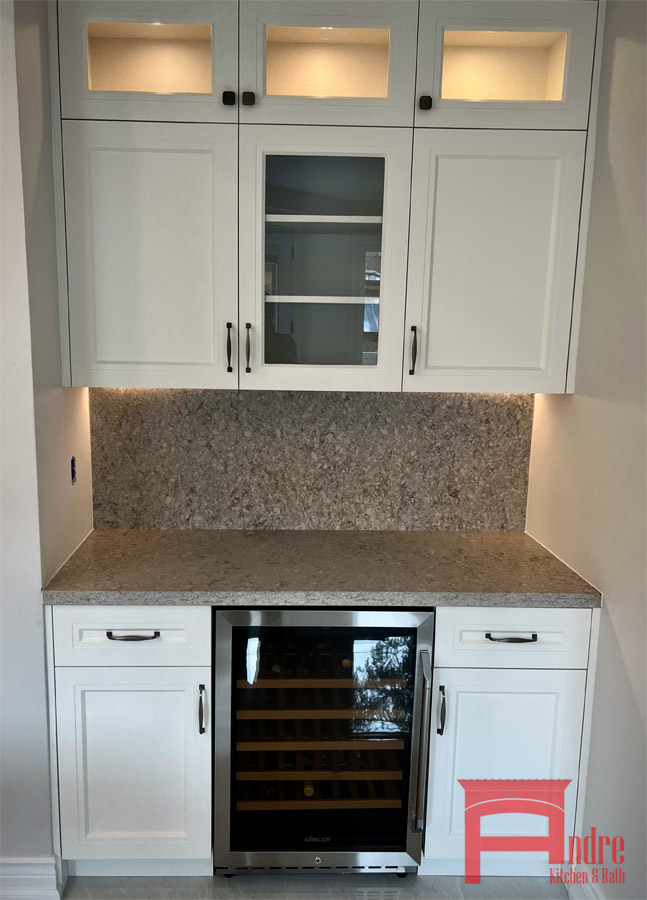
(500, 723)
(494, 227)
(323, 247)
(151, 242)
(134, 764)
(501, 64)
(149, 60)
(328, 62)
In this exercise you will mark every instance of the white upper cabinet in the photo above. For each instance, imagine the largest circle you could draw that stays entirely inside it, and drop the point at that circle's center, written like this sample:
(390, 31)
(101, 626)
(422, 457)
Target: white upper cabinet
(323, 248)
(149, 61)
(493, 245)
(151, 243)
(502, 64)
(327, 62)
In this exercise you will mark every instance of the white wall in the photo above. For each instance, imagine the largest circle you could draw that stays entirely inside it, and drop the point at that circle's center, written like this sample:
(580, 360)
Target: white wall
(44, 517)
(25, 828)
(62, 414)
(586, 498)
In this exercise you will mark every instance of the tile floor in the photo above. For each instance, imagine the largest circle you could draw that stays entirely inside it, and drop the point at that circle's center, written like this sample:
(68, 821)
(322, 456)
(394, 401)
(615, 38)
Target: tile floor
(311, 887)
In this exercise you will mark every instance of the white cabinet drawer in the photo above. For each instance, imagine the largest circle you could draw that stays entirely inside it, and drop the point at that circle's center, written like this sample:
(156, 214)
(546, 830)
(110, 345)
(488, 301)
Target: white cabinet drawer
(164, 636)
(541, 638)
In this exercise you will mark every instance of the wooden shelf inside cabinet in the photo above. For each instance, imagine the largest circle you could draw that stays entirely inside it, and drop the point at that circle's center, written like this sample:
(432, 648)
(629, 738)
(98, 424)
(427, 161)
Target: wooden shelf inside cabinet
(310, 775)
(336, 765)
(350, 744)
(318, 804)
(349, 795)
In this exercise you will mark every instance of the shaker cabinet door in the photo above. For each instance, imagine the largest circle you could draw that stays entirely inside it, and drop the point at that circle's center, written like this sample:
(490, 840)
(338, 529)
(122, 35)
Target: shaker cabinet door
(149, 60)
(498, 64)
(328, 62)
(134, 756)
(323, 252)
(507, 724)
(493, 245)
(151, 212)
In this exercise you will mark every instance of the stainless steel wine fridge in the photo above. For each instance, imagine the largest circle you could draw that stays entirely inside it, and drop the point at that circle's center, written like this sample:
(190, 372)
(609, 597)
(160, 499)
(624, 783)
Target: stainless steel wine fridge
(321, 739)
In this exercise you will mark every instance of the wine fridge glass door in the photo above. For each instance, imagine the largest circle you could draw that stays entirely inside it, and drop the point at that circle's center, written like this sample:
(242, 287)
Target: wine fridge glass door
(324, 737)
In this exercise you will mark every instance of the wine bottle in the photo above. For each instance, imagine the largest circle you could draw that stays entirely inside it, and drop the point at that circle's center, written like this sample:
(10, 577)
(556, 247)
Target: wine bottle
(308, 789)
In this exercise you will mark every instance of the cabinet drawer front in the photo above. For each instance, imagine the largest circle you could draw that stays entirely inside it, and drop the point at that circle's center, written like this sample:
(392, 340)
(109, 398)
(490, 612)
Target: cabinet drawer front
(168, 636)
(541, 638)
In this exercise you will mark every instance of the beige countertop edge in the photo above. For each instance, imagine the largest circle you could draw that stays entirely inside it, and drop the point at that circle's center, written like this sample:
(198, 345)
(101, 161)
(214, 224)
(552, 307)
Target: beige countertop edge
(322, 598)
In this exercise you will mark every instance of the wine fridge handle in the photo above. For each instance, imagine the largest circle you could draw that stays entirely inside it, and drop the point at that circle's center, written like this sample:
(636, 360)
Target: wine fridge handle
(423, 758)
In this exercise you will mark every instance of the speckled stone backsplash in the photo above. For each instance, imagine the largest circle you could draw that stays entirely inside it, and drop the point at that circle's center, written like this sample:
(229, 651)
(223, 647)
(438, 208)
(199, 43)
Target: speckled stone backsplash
(220, 459)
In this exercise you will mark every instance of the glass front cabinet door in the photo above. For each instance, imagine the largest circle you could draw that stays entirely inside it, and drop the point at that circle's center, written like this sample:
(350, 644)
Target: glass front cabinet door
(149, 61)
(323, 232)
(327, 62)
(505, 65)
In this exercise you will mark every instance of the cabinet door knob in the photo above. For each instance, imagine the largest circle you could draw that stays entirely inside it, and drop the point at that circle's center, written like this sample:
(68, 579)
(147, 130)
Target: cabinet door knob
(249, 98)
(425, 102)
(229, 98)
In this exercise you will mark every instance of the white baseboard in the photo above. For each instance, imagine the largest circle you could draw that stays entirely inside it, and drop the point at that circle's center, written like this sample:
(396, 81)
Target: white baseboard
(586, 890)
(143, 867)
(499, 868)
(29, 878)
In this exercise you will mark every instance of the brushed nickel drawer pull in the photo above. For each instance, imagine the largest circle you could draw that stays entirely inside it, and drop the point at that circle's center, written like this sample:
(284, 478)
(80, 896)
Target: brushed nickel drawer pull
(132, 637)
(510, 640)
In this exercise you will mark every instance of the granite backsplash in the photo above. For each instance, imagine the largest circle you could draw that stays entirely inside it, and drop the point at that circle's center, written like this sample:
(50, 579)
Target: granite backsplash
(281, 460)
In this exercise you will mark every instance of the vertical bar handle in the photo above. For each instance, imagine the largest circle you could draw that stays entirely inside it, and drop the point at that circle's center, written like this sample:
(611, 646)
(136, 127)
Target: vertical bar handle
(423, 758)
(414, 350)
(229, 327)
(443, 710)
(201, 728)
(248, 346)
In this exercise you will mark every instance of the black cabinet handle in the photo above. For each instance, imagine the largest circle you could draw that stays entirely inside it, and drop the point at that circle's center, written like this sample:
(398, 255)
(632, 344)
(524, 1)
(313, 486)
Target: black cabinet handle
(414, 350)
(249, 98)
(201, 728)
(510, 640)
(229, 368)
(229, 98)
(248, 346)
(425, 102)
(132, 637)
(443, 710)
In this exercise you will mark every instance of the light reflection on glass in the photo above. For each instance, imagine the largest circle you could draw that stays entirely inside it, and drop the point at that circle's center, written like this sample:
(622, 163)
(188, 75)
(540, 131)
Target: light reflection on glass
(253, 659)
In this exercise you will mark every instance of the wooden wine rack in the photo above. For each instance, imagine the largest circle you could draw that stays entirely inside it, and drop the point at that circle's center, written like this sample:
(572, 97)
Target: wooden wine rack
(309, 735)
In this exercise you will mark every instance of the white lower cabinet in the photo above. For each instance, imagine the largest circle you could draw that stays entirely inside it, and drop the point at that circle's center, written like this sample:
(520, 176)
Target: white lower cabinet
(134, 756)
(499, 724)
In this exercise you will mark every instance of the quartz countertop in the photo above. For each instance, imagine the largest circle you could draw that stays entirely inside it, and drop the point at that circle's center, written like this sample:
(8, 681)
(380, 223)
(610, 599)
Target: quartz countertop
(317, 568)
